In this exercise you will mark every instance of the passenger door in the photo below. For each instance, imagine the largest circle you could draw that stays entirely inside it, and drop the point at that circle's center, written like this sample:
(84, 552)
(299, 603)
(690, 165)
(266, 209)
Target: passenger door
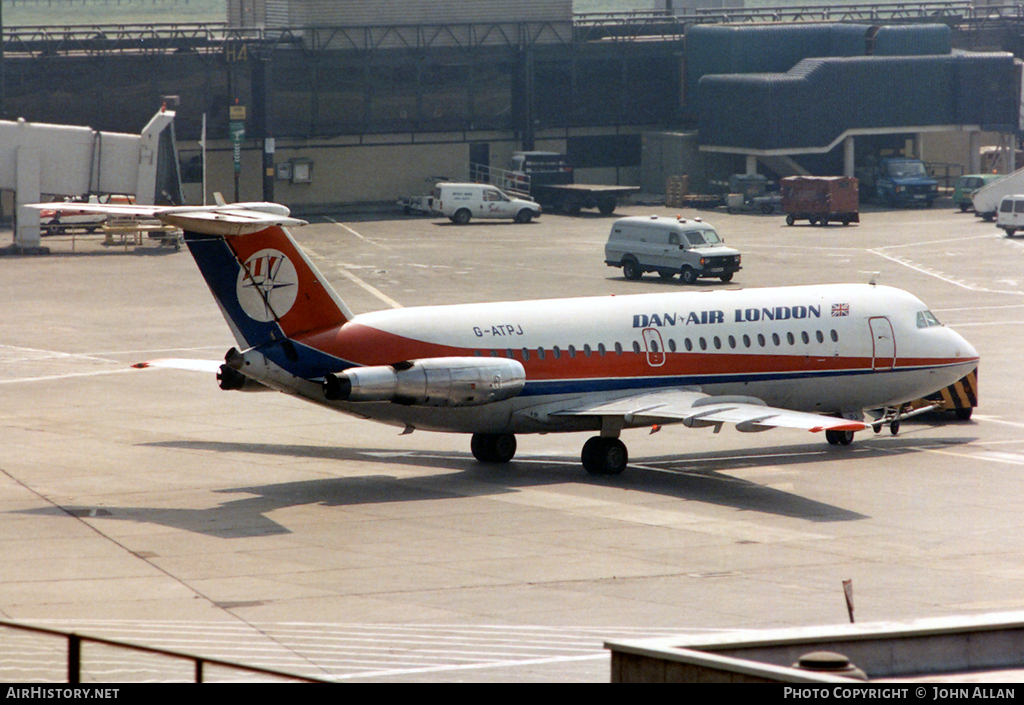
(654, 346)
(496, 204)
(674, 252)
(883, 344)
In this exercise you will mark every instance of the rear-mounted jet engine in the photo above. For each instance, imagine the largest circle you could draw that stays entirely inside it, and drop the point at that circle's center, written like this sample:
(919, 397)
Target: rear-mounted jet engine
(441, 381)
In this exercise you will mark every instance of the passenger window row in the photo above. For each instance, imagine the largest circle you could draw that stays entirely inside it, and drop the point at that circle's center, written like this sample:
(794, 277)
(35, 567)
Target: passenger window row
(760, 339)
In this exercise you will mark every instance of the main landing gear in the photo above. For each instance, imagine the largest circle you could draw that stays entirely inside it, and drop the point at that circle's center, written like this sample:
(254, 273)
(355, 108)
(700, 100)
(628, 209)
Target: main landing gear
(601, 456)
(839, 438)
(493, 447)
(604, 456)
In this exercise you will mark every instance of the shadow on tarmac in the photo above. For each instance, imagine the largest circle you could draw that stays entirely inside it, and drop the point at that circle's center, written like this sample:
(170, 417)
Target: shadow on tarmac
(698, 477)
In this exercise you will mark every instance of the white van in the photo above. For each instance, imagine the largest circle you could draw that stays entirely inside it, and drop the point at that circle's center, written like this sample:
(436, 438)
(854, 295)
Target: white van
(1011, 214)
(669, 246)
(460, 202)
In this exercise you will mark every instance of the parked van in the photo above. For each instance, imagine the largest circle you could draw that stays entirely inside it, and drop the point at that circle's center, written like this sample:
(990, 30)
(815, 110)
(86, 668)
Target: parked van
(460, 202)
(1011, 214)
(669, 246)
(967, 184)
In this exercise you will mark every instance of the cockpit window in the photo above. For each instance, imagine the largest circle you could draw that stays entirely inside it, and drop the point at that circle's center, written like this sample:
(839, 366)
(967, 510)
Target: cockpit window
(926, 319)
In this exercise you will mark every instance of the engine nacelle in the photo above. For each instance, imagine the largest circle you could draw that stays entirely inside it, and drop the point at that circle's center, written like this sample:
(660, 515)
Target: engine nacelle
(438, 381)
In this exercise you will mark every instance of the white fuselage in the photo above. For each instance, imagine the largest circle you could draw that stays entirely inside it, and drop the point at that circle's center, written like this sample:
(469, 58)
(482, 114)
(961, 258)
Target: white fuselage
(835, 349)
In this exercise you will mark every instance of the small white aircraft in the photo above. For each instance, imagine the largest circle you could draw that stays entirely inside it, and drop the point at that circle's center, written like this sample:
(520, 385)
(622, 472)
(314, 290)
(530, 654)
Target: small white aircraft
(221, 218)
(808, 357)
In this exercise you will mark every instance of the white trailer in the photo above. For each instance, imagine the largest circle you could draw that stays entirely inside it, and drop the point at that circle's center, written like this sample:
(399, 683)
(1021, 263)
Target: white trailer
(986, 199)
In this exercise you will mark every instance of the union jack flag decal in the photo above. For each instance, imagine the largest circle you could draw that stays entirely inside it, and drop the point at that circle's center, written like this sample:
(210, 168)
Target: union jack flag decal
(840, 310)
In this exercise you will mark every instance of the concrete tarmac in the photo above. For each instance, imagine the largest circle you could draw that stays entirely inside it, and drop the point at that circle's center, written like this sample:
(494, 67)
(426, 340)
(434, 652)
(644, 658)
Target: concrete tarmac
(149, 506)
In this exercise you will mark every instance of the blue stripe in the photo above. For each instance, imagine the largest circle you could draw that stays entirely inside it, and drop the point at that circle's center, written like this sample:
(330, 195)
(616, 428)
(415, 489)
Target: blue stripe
(609, 384)
(302, 360)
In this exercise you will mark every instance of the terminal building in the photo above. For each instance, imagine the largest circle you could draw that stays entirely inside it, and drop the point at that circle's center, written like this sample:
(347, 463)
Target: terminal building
(341, 103)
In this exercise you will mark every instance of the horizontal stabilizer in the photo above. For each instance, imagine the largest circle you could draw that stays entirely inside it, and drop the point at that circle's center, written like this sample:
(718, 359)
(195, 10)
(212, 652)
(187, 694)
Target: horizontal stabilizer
(227, 221)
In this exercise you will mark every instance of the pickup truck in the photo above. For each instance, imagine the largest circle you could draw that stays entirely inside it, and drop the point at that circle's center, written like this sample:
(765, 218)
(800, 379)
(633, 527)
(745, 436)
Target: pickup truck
(904, 182)
(548, 178)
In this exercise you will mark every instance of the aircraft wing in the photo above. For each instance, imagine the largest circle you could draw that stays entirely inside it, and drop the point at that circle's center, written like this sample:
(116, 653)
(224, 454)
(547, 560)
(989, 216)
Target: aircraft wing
(122, 209)
(696, 409)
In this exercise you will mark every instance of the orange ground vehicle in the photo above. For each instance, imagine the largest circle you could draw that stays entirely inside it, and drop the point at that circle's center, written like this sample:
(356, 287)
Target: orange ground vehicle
(820, 199)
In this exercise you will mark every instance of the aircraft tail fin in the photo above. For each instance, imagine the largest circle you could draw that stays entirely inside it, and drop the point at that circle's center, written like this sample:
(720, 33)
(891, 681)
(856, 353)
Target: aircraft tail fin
(266, 286)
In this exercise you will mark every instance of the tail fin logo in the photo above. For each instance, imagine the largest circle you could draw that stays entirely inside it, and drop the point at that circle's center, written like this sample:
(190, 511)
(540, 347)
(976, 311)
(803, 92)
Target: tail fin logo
(267, 285)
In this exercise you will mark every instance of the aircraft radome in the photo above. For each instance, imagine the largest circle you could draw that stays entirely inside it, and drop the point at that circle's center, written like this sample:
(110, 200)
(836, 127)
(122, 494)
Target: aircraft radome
(817, 358)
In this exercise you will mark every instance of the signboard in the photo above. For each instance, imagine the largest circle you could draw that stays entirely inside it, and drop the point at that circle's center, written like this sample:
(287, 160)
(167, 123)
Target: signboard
(236, 129)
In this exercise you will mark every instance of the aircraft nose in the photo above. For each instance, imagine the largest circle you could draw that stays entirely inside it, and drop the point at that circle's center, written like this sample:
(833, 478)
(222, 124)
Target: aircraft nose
(963, 349)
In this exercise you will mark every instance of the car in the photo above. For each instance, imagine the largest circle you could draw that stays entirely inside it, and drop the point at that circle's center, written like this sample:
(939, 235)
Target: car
(669, 246)
(1011, 214)
(462, 201)
(967, 184)
(53, 222)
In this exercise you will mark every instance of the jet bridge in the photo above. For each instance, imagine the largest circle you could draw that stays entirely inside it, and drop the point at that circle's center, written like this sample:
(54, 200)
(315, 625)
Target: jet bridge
(65, 160)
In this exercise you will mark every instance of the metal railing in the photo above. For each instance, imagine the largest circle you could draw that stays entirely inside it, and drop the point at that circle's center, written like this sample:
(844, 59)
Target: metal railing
(945, 174)
(37, 654)
(511, 182)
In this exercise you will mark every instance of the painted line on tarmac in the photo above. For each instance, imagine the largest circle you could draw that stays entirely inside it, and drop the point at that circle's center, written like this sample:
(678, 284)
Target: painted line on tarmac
(70, 375)
(353, 278)
(358, 235)
(943, 277)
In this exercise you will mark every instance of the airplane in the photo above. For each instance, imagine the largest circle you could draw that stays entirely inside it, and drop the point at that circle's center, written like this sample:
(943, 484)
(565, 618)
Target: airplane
(222, 217)
(820, 358)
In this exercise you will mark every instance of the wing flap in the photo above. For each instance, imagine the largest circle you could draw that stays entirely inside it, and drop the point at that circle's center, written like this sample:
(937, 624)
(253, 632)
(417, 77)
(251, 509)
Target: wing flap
(696, 409)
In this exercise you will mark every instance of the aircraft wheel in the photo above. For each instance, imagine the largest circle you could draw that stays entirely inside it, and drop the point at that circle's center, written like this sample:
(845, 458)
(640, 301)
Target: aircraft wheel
(964, 413)
(894, 427)
(841, 438)
(493, 447)
(604, 456)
